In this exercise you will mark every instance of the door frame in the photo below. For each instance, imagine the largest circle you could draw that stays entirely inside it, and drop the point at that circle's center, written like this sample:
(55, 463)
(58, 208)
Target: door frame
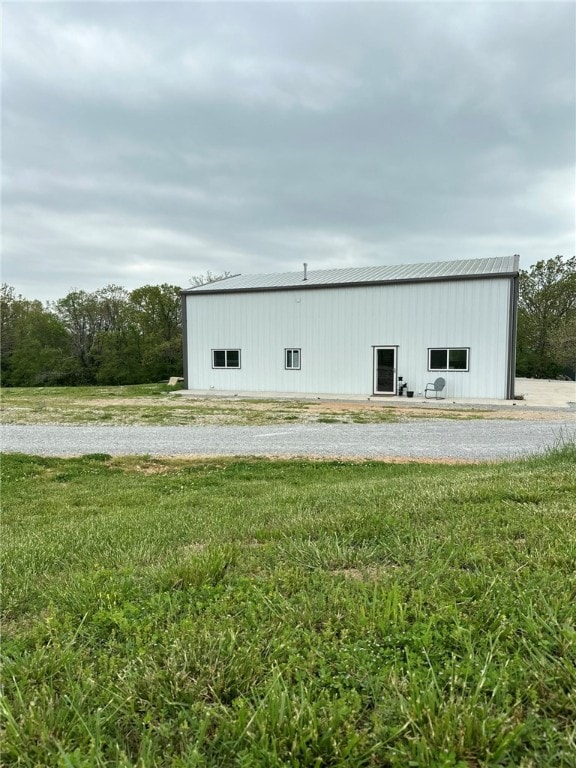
(394, 348)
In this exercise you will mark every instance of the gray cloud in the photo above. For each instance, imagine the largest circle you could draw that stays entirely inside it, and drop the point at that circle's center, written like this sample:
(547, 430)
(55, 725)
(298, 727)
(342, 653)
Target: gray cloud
(145, 143)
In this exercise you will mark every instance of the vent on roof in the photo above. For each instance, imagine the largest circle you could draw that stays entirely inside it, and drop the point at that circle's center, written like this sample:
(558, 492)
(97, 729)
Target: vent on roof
(305, 271)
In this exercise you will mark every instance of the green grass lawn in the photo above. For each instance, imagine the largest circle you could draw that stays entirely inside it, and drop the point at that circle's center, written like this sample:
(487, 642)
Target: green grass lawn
(288, 613)
(157, 404)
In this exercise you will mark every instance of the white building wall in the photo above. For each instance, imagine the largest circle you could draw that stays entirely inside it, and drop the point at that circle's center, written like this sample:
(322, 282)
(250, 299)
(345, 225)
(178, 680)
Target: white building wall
(337, 328)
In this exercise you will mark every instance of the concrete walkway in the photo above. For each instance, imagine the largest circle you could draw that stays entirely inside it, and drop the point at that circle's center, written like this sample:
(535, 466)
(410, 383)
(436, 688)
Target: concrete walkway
(547, 393)
(534, 393)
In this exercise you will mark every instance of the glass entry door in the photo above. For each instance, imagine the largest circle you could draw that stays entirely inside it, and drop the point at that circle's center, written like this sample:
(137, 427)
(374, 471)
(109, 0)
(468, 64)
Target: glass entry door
(385, 370)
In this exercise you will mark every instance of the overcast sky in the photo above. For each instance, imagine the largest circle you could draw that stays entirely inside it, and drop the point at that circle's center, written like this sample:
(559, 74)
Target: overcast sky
(148, 142)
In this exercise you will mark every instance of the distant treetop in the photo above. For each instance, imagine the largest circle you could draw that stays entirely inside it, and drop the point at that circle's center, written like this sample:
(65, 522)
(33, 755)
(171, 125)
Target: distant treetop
(208, 277)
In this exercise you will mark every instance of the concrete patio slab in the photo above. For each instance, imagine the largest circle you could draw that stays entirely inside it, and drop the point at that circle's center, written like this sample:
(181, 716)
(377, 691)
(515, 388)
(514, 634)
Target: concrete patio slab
(530, 393)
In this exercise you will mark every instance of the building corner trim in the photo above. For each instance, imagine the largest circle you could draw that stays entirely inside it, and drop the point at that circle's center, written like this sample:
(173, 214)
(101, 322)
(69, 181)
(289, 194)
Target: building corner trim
(184, 317)
(512, 336)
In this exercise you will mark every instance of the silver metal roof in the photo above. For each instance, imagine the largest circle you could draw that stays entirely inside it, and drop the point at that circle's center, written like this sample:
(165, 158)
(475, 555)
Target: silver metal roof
(357, 275)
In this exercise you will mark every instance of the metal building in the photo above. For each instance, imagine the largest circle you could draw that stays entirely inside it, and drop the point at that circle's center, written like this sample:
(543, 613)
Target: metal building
(363, 331)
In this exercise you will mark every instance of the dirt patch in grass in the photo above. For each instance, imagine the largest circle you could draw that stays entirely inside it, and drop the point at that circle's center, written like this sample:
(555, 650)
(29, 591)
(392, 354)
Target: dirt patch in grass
(328, 459)
(370, 573)
(500, 413)
(138, 401)
(152, 469)
(194, 548)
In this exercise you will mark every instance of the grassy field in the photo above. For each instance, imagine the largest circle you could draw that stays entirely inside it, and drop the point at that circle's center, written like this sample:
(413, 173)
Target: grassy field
(272, 613)
(158, 404)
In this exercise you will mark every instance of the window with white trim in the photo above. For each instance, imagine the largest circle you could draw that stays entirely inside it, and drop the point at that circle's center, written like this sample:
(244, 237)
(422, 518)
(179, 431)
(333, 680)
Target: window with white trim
(292, 359)
(225, 358)
(448, 359)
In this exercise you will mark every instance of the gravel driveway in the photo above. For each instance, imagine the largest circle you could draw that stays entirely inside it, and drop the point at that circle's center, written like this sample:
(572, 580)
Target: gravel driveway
(437, 439)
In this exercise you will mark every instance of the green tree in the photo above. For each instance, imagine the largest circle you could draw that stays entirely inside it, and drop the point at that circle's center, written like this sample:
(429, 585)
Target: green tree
(547, 319)
(156, 315)
(96, 323)
(108, 336)
(35, 346)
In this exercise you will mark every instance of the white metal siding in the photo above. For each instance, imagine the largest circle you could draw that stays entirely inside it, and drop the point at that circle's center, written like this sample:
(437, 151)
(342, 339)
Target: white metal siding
(337, 328)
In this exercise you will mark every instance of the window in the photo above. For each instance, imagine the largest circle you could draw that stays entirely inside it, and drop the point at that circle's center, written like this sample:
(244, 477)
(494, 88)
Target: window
(292, 359)
(448, 359)
(225, 358)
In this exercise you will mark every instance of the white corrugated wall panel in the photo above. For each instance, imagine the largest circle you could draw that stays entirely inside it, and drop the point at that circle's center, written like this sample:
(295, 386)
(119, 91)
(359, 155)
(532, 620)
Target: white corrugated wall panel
(337, 328)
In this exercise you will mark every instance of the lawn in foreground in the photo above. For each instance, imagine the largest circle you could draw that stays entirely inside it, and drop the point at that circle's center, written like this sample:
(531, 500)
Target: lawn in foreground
(288, 613)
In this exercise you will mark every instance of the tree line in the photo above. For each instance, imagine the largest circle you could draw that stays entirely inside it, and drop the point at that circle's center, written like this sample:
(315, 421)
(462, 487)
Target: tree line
(115, 336)
(546, 341)
(109, 336)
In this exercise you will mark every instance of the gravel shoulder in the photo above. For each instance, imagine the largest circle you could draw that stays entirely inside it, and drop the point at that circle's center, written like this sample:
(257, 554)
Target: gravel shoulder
(438, 439)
